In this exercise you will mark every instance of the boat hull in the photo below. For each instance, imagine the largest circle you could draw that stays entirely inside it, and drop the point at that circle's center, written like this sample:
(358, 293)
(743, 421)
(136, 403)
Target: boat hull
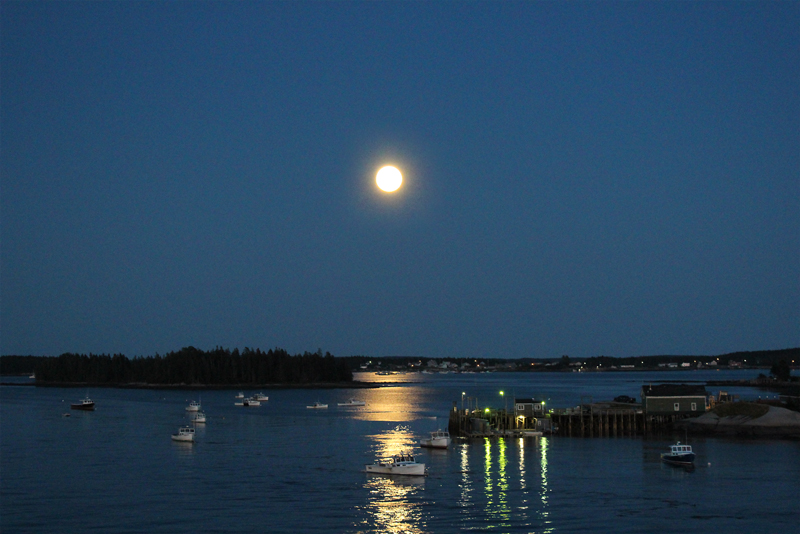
(438, 443)
(440, 439)
(409, 469)
(185, 434)
(678, 459)
(86, 407)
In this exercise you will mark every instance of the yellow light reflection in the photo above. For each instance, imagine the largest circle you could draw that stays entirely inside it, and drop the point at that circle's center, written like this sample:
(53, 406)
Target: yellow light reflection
(389, 404)
(390, 506)
(497, 507)
(398, 440)
(466, 485)
(487, 465)
(522, 482)
(544, 443)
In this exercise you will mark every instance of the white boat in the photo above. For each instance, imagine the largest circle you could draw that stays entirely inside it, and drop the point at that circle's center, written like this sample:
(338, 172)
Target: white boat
(353, 402)
(194, 406)
(86, 404)
(439, 439)
(261, 397)
(403, 464)
(248, 402)
(532, 433)
(317, 405)
(240, 395)
(185, 433)
(200, 417)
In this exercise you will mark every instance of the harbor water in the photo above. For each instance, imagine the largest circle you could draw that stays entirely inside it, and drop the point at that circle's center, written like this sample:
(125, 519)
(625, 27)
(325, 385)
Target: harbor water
(282, 467)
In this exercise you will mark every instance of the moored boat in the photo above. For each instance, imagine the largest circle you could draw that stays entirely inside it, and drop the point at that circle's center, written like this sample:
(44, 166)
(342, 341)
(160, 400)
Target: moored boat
(185, 433)
(439, 439)
(317, 405)
(85, 404)
(200, 417)
(532, 433)
(353, 402)
(250, 401)
(678, 455)
(402, 464)
(260, 397)
(194, 406)
(240, 395)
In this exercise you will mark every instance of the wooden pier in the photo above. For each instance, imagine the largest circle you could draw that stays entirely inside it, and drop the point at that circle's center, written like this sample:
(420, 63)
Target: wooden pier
(586, 421)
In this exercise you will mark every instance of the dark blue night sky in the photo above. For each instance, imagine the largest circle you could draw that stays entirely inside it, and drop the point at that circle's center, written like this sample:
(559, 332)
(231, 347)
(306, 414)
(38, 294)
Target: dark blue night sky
(601, 178)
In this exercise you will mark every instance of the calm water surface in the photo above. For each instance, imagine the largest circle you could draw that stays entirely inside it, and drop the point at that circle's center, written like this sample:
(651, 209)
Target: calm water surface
(284, 468)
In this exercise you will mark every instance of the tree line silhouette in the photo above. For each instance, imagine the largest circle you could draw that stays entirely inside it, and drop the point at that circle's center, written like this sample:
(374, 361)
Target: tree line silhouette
(192, 366)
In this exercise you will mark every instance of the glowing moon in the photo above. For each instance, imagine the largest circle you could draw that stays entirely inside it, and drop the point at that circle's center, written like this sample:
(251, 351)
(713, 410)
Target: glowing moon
(389, 179)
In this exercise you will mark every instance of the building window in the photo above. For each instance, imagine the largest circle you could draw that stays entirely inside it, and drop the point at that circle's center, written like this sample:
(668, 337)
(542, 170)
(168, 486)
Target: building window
(677, 406)
(694, 406)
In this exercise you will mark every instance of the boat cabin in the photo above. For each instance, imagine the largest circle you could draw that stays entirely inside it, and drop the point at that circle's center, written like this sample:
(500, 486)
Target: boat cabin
(679, 449)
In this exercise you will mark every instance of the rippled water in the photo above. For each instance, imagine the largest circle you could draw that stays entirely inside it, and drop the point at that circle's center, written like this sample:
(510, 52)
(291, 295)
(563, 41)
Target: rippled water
(284, 468)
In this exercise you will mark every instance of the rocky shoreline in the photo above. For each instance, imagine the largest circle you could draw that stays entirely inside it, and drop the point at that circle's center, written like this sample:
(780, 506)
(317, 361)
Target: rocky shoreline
(775, 423)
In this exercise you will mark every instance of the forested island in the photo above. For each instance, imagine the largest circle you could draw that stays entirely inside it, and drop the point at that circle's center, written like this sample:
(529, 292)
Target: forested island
(187, 367)
(224, 367)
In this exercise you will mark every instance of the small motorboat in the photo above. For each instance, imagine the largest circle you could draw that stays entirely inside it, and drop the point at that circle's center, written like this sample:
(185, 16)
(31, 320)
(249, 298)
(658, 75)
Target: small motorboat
(260, 397)
(194, 406)
(401, 464)
(353, 402)
(317, 405)
(439, 439)
(240, 395)
(85, 404)
(185, 433)
(200, 417)
(251, 401)
(678, 455)
(532, 433)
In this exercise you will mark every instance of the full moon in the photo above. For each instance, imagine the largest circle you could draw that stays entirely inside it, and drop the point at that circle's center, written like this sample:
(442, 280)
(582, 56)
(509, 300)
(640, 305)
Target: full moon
(389, 179)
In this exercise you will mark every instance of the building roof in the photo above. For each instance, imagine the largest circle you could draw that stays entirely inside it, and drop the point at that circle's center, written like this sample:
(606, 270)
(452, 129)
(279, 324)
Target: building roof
(673, 390)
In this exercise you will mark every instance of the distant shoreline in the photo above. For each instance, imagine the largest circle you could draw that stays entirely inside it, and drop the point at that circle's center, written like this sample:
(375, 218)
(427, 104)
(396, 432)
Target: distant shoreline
(319, 385)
